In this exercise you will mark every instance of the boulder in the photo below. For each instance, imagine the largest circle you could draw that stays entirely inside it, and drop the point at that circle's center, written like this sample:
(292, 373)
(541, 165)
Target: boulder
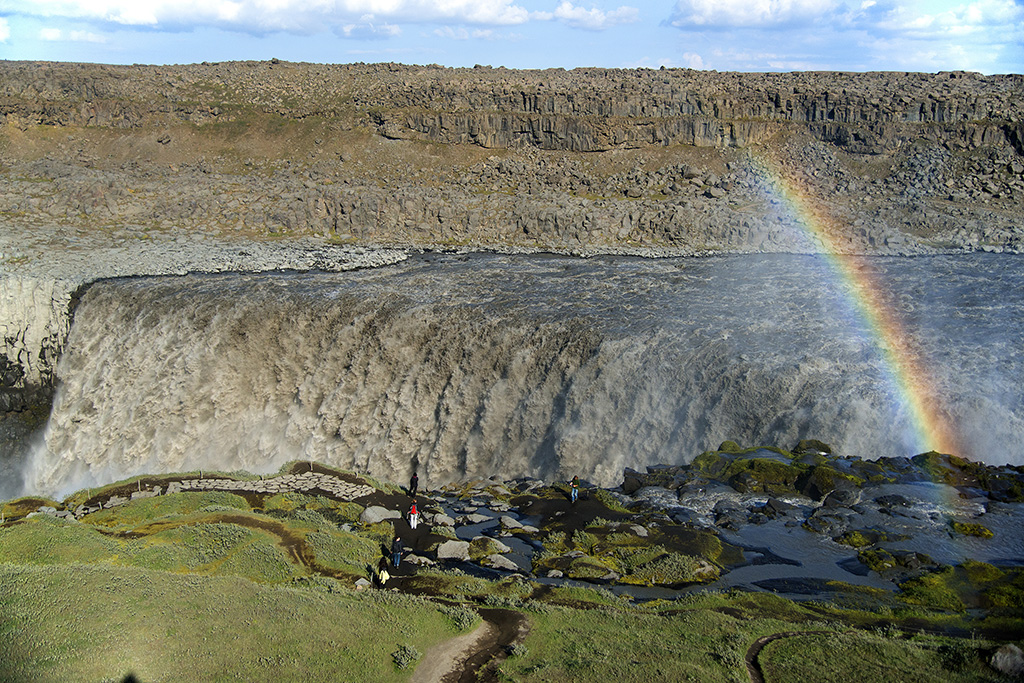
(729, 516)
(812, 446)
(775, 507)
(826, 521)
(475, 518)
(683, 515)
(419, 560)
(842, 498)
(500, 562)
(376, 513)
(453, 550)
(508, 522)
(485, 545)
(819, 481)
(894, 500)
(1009, 661)
(632, 481)
(443, 520)
(759, 518)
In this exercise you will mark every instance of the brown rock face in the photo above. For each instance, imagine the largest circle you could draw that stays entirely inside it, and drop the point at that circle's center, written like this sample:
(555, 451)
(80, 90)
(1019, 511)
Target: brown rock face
(588, 159)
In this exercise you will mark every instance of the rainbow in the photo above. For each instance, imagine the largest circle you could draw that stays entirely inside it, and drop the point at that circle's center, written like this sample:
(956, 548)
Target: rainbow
(914, 387)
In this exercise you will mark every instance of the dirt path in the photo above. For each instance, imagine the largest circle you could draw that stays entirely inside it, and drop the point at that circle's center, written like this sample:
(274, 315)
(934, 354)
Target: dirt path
(468, 658)
(450, 656)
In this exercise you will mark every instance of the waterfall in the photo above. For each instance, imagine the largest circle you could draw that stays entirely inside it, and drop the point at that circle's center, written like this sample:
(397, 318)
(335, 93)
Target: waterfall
(543, 367)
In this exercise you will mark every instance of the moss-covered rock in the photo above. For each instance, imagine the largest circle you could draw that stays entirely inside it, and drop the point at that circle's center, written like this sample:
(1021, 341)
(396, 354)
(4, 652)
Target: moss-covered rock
(710, 464)
(812, 446)
(482, 546)
(587, 567)
(762, 475)
(971, 529)
(859, 538)
(20, 507)
(818, 482)
(933, 591)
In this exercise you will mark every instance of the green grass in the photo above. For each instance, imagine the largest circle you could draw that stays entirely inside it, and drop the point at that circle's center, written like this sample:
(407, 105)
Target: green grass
(343, 552)
(626, 644)
(47, 540)
(137, 512)
(64, 623)
(207, 533)
(857, 657)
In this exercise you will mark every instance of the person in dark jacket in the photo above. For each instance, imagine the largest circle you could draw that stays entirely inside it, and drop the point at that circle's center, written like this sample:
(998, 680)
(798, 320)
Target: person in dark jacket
(396, 552)
(414, 484)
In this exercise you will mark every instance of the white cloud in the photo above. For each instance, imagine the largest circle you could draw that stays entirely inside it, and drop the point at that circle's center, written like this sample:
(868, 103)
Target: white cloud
(750, 13)
(368, 30)
(299, 16)
(592, 19)
(983, 16)
(53, 35)
(692, 60)
(452, 32)
(912, 35)
(463, 33)
(5, 30)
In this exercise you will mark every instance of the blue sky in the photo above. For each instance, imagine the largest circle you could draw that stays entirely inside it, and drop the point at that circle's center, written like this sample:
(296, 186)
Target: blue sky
(725, 35)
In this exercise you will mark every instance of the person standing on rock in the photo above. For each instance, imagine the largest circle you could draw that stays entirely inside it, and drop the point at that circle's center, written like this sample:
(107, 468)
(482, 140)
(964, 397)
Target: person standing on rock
(574, 488)
(396, 552)
(414, 484)
(414, 515)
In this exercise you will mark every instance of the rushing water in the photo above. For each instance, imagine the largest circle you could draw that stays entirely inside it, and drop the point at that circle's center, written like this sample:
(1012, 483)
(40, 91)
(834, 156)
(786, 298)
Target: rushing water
(541, 366)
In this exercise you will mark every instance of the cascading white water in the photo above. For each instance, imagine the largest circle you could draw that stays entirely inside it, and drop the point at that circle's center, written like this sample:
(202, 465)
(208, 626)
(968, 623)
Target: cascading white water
(508, 366)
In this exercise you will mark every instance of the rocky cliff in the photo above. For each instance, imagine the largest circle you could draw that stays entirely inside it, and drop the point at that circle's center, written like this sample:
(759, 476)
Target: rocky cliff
(644, 161)
(589, 158)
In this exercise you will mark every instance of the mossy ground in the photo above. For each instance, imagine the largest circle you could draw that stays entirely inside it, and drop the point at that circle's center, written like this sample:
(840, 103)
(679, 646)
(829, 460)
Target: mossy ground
(969, 585)
(216, 585)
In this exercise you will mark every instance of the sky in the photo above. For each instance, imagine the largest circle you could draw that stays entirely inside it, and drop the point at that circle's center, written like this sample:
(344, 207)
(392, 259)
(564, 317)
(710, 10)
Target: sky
(723, 35)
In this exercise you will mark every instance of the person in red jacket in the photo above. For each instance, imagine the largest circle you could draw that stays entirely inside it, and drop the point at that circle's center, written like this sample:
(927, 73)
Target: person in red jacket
(414, 515)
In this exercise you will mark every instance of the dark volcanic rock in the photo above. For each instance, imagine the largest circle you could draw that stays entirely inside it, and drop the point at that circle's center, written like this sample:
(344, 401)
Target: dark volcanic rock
(841, 498)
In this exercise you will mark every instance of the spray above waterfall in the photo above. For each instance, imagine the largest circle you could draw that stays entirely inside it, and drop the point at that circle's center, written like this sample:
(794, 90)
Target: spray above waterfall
(915, 389)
